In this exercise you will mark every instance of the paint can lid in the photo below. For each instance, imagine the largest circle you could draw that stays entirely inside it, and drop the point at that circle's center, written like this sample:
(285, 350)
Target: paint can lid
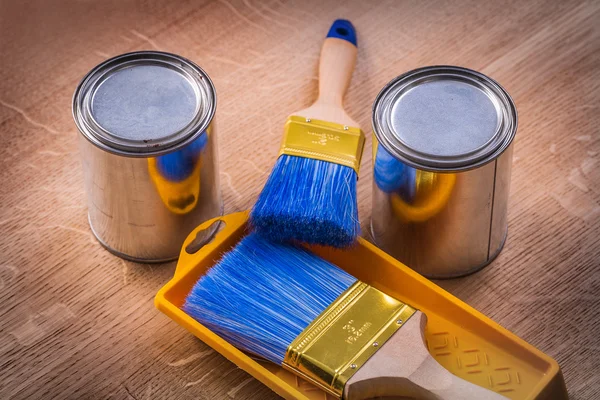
(444, 118)
(144, 103)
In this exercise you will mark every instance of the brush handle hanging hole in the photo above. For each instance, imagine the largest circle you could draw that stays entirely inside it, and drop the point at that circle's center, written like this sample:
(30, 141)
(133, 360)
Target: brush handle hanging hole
(342, 31)
(205, 236)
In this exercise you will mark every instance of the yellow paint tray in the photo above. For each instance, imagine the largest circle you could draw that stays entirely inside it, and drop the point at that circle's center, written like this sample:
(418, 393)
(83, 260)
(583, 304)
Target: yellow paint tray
(460, 338)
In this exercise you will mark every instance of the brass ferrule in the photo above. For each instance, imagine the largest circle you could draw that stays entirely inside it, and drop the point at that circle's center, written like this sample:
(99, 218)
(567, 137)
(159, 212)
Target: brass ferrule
(322, 140)
(340, 340)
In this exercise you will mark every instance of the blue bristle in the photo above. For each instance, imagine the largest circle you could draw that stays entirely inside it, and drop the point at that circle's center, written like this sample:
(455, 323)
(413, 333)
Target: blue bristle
(393, 176)
(261, 295)
(310, 201)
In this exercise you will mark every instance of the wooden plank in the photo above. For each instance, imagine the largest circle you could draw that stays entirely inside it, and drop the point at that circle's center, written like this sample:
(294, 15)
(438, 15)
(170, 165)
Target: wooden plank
(78, 322)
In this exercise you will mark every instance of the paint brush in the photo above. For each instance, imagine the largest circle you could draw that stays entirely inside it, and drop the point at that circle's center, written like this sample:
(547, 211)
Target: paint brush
(310, 195)
(293, 308)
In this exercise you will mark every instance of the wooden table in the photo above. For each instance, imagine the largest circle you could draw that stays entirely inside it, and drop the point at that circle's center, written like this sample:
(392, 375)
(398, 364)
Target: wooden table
(79, 323)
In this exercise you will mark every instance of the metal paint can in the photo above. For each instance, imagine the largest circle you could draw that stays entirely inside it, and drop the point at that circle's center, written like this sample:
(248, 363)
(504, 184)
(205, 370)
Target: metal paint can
(149, 152)
(442, 164)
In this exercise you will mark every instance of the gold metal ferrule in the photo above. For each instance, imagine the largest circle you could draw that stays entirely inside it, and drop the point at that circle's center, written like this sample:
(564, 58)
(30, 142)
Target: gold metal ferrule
(322, 140)
(340, 340)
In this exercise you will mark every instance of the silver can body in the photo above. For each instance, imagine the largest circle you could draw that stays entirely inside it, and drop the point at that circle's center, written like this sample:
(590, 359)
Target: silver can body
(149, 153)
(442, 166)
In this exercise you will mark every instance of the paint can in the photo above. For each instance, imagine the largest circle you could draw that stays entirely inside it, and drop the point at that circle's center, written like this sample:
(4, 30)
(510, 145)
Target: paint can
(148, 146)
(442, 164)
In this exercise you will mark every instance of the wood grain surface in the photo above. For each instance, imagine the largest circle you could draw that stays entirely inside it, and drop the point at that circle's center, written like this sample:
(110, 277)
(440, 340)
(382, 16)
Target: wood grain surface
(79, 323)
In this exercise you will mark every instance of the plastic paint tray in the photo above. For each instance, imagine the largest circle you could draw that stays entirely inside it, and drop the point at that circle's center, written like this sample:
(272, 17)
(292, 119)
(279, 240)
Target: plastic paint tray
(464, 341)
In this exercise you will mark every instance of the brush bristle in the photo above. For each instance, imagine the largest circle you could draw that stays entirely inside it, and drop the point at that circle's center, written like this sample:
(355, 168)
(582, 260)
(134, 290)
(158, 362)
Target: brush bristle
(261, 295)
(307, 200)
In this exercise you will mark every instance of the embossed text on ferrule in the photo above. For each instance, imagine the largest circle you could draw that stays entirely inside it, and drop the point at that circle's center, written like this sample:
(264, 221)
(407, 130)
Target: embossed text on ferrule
(355, 333)
(323, 138)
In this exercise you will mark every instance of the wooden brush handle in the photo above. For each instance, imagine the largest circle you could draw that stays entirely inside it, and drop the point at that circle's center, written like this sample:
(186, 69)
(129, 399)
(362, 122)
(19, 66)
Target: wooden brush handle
(338, 56)
(403, 368)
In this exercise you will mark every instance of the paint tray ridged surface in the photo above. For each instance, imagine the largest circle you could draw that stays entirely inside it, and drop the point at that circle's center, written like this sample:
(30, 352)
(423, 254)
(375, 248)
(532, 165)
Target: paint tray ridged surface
(461, 339)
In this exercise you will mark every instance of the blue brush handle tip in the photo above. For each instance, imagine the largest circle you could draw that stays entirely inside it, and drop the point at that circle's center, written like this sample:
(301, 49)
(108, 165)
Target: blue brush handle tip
(343, 29)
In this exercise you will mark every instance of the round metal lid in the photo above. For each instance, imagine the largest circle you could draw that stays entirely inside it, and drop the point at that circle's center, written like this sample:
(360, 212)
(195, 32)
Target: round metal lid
(444, 118)
(144, 103)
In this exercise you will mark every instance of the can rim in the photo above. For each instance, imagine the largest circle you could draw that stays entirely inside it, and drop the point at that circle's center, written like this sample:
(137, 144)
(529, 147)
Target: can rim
(486, 153)
(101, 138)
